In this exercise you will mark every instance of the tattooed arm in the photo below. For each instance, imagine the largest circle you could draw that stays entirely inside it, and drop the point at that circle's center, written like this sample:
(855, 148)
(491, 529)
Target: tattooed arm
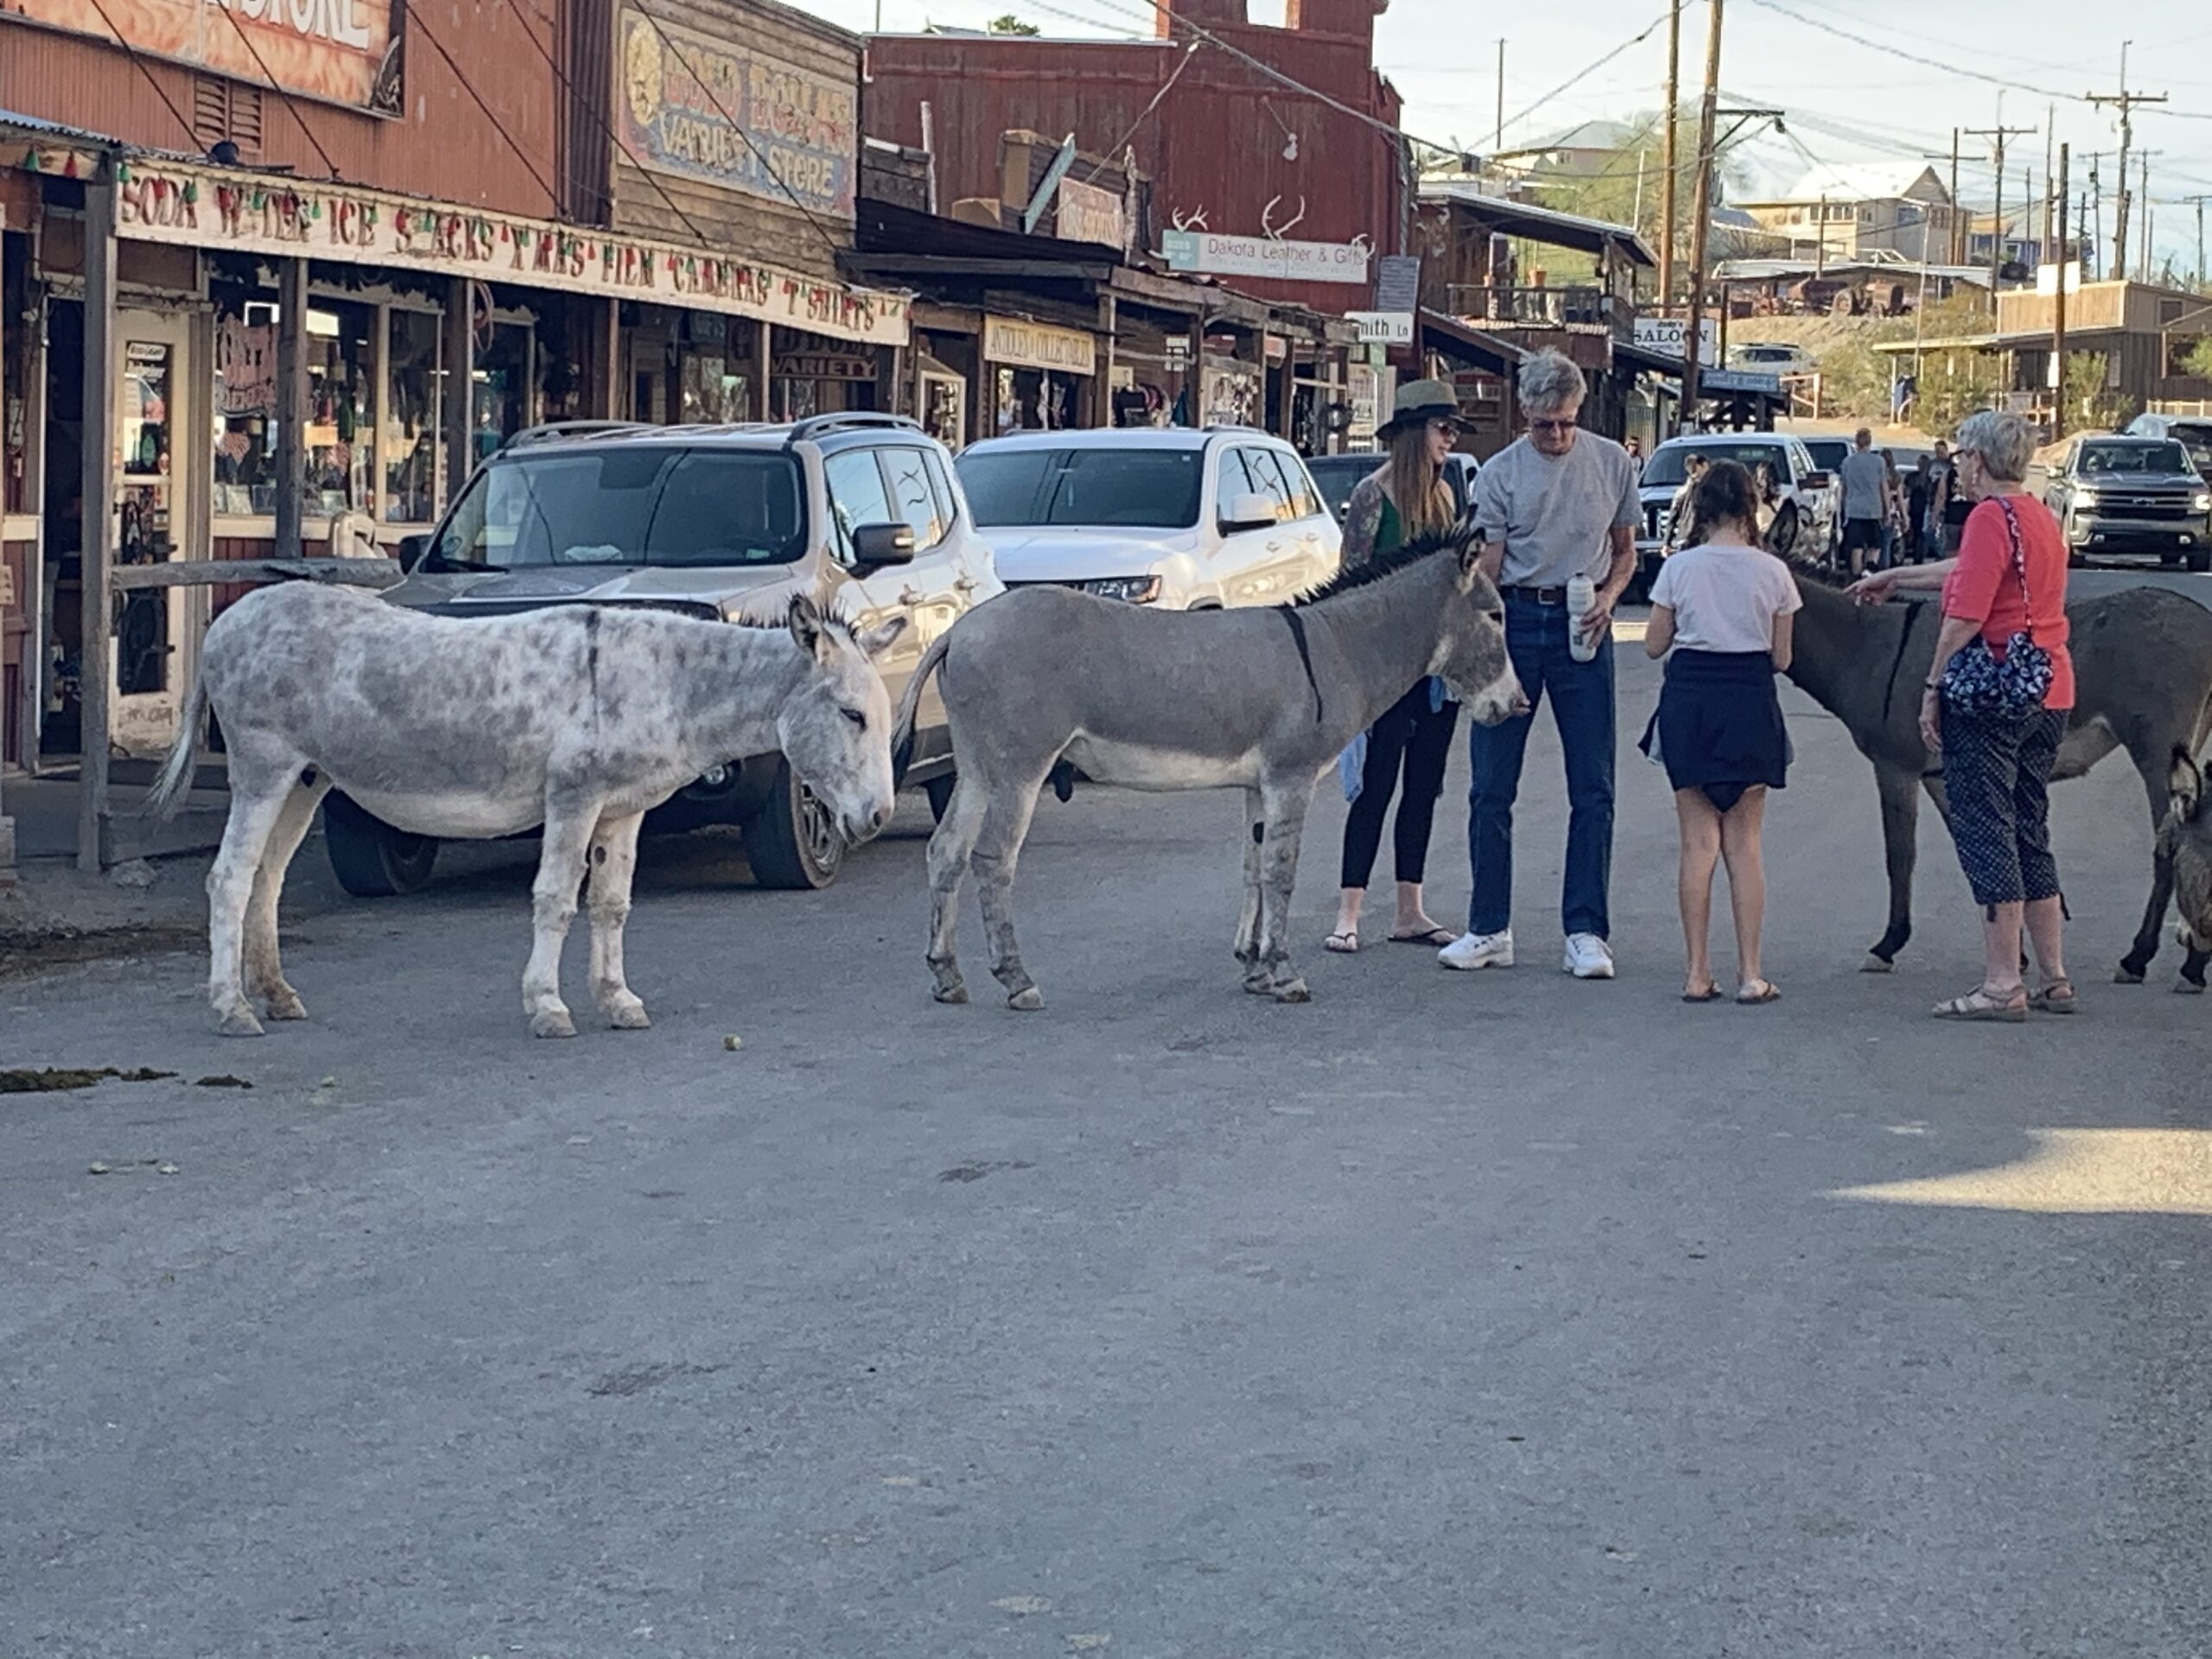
(1363, 520)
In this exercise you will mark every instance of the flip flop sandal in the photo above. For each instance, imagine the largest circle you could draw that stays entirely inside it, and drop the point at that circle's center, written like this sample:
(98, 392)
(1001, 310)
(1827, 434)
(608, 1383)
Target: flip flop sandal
(1766, 990)
(1979, 1005)
(1435, 938)
(2057, 997)
(1710, 994)
(1344, 944)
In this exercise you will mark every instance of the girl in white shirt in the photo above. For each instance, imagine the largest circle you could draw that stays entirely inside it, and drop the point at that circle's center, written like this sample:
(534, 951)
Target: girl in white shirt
(1723, 609)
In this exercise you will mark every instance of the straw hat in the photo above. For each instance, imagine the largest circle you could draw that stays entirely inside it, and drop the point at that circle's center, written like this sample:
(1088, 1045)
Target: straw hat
(1419, 402)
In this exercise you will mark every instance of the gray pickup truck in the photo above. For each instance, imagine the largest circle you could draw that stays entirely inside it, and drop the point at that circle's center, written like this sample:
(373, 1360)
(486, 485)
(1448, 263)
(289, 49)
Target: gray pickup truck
(2142, 495)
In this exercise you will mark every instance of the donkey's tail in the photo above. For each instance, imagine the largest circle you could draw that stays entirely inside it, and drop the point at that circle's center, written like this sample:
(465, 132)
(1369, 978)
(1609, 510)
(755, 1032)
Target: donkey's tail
(176, 779)
(902, 728)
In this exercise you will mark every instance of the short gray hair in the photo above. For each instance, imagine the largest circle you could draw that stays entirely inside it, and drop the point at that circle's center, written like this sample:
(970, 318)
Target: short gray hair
(2005, 442)
(1550, 380)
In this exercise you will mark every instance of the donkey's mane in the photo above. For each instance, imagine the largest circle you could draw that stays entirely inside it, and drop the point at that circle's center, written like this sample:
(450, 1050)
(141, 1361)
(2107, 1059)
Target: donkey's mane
(1452, 539)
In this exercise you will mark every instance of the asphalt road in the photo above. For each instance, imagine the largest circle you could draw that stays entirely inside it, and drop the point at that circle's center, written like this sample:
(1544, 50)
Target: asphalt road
(1492, 1314)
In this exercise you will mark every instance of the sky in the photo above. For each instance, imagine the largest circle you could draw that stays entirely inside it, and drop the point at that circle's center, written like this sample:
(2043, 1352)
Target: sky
(1846, 103)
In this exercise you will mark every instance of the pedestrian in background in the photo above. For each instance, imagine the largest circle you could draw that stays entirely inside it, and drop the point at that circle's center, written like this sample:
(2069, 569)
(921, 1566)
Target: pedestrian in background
(1405, 750)
(1721, 616)
(1866, 501)
(1556, 511)
(1995, 709)
(1681, 522)
(1918, 486)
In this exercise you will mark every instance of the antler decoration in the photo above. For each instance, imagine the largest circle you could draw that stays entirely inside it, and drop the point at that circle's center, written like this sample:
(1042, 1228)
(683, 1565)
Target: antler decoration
(1267, 218)
(1193, 220)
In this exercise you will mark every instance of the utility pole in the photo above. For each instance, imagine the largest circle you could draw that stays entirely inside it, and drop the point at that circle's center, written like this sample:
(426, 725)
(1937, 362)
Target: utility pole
(1997, 135)
(1673, 163)
(2097, 199)
(1821, 243)
(2058, 318)
(2124, 101)
(2049, 138)
(1498, 140)
(2146, 216)
(1958, 247)
(1701, 207)
(2198, 203)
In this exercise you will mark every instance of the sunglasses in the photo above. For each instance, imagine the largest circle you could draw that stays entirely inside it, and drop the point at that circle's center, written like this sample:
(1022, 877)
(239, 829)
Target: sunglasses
(1566, 425)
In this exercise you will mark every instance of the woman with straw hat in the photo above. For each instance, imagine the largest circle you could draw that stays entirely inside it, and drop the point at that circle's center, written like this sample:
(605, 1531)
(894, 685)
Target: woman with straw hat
(1405, 750)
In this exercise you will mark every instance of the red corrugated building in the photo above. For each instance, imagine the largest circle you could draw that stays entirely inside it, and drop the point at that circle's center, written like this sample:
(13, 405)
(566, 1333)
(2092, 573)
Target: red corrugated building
(1231, 148)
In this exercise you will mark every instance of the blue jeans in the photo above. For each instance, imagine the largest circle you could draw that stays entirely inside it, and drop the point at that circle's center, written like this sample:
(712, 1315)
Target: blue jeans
(1582, 707)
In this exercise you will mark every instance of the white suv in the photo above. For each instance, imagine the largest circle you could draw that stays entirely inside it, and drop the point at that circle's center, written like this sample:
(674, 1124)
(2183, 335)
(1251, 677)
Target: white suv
(1182, 518)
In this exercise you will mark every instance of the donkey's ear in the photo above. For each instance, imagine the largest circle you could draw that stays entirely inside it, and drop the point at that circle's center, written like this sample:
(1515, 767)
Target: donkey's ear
(809, 627)
(1469, 541)
(2186, 783)
(878, 639)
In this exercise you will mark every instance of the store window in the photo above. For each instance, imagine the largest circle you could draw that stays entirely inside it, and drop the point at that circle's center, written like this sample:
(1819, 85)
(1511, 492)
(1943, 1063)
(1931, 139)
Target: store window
(338, 437)
(411, 416)
(503, 385)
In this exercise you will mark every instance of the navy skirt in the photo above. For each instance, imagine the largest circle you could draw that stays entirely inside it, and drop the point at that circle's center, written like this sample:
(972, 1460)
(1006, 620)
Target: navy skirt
(1719, 725)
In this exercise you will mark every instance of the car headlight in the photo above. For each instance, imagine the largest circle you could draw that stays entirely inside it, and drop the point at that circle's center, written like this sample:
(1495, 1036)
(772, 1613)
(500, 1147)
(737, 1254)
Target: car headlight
(1134, 591)
(2201, 502)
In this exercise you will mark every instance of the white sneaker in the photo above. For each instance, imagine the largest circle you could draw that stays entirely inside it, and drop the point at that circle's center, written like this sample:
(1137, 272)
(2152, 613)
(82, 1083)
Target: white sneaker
(1473, 951)
(1587, 956)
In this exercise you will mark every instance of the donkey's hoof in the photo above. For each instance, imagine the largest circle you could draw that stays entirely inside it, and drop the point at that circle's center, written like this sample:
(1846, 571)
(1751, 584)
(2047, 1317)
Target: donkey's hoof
(285, 1004)
(1026, 1000)
(1258, 983)
(951, 994)
(2187, 987)
(1293, 990)
(554, 1022)
(1875, 964)
(241, 1023)
(629, 1016)
(2125, 975)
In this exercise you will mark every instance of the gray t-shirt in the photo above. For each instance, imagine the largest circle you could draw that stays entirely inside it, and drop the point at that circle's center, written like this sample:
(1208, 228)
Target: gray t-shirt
(1555, 516)
(1864, 472)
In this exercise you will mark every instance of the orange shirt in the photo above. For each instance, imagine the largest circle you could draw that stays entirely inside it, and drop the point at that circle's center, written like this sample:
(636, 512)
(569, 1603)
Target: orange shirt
(1985, 589)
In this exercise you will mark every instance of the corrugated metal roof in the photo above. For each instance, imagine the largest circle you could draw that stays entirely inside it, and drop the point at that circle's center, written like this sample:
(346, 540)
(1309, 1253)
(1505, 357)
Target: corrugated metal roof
(1539, 224)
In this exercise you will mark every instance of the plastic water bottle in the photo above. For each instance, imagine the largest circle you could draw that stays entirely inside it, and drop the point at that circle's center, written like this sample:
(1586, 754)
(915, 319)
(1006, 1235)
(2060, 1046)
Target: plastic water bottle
(1581, 595)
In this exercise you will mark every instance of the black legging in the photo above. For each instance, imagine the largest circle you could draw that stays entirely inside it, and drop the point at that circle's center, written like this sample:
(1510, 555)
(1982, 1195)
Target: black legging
(1421, 737)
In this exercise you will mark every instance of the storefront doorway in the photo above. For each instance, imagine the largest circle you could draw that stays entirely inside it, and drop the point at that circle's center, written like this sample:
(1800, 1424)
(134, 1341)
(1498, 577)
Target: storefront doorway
(154, 456)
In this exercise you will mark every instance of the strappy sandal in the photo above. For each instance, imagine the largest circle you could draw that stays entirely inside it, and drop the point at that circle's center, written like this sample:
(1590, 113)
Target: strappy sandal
(1344, 944)
(1979, 1005)
(1758, 991)
(1710, 994)
(1434, 937)
(2057, 997)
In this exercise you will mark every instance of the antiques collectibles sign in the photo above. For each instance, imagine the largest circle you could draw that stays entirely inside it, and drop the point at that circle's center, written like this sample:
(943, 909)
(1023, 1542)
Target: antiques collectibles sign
(201, 208)
(699, 108)
(330, 49)
(1024, 345)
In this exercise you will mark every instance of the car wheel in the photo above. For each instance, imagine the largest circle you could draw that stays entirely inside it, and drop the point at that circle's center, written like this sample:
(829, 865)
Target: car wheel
(939, 790)
(2200, 560)
(792, 841)
(371, 859)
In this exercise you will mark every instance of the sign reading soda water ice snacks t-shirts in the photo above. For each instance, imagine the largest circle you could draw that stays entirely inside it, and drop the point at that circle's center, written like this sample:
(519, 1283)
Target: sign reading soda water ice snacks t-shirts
(330, 49)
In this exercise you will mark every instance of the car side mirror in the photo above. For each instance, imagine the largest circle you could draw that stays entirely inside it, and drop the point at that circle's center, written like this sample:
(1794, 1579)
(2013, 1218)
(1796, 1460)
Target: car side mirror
(411, 552)
(1250, 511)
(876, 546)
(1814, 481)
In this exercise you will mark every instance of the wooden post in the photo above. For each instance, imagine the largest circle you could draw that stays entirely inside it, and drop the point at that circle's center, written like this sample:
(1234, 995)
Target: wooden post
(1672, 162)
(764, 408)
(2058, 313)
(606, 389)
(461, 384)
(291, 403)
(96, 544)
(1701, 210)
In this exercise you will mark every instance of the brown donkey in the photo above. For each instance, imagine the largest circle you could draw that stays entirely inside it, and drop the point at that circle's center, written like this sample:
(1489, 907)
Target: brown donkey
(2143, 681)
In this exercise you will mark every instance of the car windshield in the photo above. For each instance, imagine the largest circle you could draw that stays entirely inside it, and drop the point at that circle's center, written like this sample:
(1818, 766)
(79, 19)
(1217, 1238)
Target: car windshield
(1127, 489)
(1669, 463)
(1338, 476)
(1827, 453)
(2139, 459)
(647, 505)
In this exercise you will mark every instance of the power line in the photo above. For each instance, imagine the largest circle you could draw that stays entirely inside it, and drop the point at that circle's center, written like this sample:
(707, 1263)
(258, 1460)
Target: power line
(1588, 70)
(298, 120)
(1166, 87)
(416, 16)
(139, 63)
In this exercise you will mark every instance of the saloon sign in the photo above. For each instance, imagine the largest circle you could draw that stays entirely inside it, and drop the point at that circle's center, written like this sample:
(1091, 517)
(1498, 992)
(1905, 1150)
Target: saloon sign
(202, 208)
(330, 49)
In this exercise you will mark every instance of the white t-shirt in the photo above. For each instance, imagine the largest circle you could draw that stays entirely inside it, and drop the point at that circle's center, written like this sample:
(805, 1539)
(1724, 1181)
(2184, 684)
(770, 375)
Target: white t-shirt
(1726, 598)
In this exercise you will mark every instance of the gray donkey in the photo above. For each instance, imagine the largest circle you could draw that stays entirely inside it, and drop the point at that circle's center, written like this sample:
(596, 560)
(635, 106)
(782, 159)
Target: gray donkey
(578, 718)
(2186, 838)
(1263, 700)
(2143, 682)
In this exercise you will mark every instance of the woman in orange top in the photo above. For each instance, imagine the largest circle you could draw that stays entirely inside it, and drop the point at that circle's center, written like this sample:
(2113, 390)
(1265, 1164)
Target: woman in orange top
(2008, 580)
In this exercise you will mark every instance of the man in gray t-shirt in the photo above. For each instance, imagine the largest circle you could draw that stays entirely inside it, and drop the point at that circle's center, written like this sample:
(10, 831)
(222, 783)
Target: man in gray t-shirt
(1865, 499)
(1559, 503)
